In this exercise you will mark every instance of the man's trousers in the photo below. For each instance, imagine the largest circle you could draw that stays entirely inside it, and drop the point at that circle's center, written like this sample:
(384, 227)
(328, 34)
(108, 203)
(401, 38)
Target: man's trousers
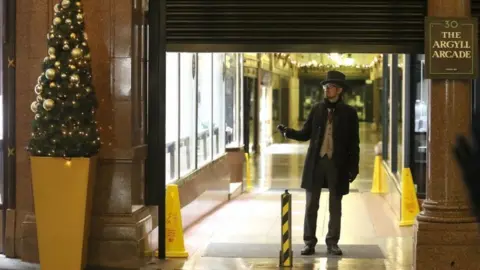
(325, 170)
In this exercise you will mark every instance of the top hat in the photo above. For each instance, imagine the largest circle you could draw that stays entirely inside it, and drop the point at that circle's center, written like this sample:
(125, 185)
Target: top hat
(336, 77)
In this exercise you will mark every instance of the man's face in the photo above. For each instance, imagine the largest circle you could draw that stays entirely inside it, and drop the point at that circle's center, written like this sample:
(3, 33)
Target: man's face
(332, 91)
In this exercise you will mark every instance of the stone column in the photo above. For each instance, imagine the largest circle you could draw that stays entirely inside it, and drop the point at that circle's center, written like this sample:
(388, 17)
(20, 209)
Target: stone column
(293, 99)
(446, 234)
(376, 101)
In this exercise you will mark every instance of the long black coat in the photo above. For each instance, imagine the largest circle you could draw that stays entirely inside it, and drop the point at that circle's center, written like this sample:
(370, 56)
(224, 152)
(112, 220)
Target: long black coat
(345, 144)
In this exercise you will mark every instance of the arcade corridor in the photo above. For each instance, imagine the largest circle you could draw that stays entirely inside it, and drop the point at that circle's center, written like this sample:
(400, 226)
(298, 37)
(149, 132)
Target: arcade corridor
(245, 233)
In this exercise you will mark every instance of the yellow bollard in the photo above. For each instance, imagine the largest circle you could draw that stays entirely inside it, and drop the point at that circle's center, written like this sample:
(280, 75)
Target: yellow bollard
(379, 183)
(409, 205)
(248, 173)
(286, 253)
(175, 246)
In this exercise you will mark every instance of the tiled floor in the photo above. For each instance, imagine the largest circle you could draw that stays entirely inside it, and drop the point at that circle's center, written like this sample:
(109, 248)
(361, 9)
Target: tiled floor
(254, 217)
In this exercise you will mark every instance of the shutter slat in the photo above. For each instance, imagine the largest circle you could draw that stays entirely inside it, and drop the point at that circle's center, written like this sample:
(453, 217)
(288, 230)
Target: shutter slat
(376, 22)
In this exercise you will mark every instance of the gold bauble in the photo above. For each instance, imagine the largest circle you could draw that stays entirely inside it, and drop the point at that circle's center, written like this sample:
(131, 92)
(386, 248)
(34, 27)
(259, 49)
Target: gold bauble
(48, 104)
(51, 50)
(73, 36)
(66, 47)
(51, 36)
(57, 64)
(34, 106)
(88, 89)
(76, 53)
(85, 36)
(39, 98)
(53, 85)
(57, 21)
(84, 44)
(50, 73)
(56, 8)
(37, 116)
(63, 75)
(78, 4)
(52, 57)
(74, 78)
(68, 21)
(79, 17)
(38, 89)
(66, 3)
(72, 67)
(87, 56)
(46, 59)
(39, 80)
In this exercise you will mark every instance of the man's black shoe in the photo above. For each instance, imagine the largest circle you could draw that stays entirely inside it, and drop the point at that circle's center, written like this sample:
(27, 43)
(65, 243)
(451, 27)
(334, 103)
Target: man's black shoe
(308, 250)
(334, 250)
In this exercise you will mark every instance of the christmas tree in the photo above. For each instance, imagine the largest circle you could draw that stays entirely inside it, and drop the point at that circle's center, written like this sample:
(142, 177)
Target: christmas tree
(66, 103)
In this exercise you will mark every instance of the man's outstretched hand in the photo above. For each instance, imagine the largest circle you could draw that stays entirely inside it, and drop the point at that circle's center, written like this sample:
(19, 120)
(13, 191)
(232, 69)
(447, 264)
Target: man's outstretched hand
(468, 157)
(282, 128)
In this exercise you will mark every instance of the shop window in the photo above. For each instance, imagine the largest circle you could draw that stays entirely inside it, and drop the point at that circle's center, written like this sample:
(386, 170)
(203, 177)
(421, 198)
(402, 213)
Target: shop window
(400, 94)
(386, 107)
(172, 120)
(218, 104)
(393, 121)
(419, 105)
(240, 99)
(187, 140)
(204, 107)
(231, 99)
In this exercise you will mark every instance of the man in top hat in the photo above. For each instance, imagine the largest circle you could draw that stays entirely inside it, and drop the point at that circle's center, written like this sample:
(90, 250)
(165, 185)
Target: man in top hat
(332, 159)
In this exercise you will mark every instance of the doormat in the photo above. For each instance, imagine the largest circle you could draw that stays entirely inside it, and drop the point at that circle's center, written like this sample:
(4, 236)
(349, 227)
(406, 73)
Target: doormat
(352, 190)
(249, 250)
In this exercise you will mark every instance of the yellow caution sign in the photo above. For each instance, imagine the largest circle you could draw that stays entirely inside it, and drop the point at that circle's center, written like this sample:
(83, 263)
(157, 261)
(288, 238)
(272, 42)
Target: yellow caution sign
(286, 253)
(379, 183)
(410, 208)
(248, 175)
(175, 246)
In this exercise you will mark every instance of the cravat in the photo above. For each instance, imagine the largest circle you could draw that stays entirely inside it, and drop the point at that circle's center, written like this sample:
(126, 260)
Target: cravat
(330, 115)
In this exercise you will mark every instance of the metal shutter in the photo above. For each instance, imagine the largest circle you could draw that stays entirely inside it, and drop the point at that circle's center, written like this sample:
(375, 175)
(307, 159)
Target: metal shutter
(296, 23)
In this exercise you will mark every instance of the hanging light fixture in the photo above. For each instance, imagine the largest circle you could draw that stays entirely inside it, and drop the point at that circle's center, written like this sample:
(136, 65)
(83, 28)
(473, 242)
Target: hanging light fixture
(341, 60)
(349, 61)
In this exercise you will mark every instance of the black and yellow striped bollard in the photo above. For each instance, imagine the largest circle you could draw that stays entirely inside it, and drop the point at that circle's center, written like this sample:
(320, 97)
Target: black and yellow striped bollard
(286, 254)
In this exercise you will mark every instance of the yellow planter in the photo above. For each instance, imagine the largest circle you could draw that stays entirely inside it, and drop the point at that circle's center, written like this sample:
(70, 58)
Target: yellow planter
(63, 192)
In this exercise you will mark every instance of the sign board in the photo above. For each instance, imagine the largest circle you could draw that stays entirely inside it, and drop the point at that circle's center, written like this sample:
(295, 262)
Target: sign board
(451, 48)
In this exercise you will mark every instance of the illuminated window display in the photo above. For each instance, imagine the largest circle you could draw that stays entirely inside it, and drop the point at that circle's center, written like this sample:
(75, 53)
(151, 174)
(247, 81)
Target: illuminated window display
(202, 104)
